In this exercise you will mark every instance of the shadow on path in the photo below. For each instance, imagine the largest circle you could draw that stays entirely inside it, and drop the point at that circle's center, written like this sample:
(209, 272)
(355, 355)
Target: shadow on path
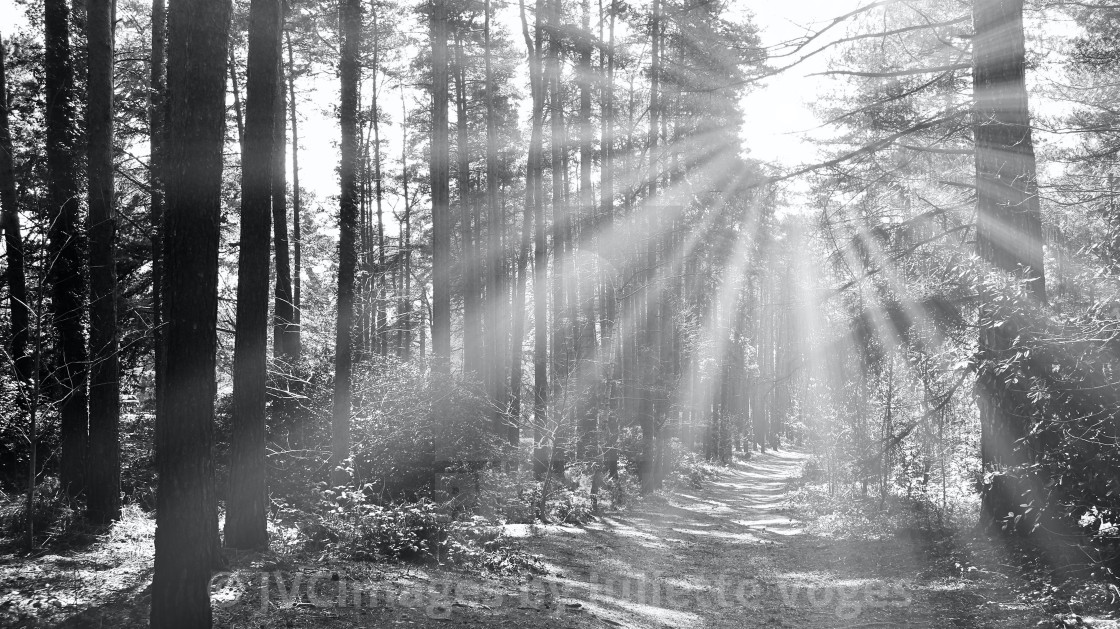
(734, 554)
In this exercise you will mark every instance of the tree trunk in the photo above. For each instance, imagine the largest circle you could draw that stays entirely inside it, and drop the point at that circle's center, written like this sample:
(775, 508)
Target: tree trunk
(406, 292)
(363, 279)
(652, 331)
(472, 321)
(441, 193)
(1009, 233)
(296, 346)
(157, 133)
(586, 341)
(283, 327)
(198, 36)
(350, 15)
(495, 294)
(606, 192)
(425, 318)
(1008, 228)
(540, 264)
(20, 310)
(104, 470)
(631, 302)
(248, 491)
(363, 302)
(532, 211)
(560, 216)
(66, 248)
(382, 295)
(563, 274)
(609, 328)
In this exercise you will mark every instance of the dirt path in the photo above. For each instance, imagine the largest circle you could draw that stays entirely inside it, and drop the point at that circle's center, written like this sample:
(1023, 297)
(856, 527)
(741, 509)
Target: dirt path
(730, 554)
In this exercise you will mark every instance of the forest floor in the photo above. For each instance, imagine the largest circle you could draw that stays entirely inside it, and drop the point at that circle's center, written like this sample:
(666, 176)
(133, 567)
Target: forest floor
(731, 553)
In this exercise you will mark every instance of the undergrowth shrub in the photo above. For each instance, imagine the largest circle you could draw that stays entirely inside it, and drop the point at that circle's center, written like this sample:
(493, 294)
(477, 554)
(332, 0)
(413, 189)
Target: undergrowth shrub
(570, 507)
(15, 451)
(686, 468)
(299, 405)
(399, 532)
(842, 508)
(1064, 368)
(55, 516)
(848, 514)
(509, 497)
(409, 427)
(352, 525)
(514, 497)
(138, 469)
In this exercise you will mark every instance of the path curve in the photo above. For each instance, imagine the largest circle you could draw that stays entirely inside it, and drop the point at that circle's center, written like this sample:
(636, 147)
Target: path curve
(732, 554)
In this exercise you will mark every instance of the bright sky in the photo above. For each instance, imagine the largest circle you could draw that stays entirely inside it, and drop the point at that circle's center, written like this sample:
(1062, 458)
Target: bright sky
(11, 18)
(778, 113)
